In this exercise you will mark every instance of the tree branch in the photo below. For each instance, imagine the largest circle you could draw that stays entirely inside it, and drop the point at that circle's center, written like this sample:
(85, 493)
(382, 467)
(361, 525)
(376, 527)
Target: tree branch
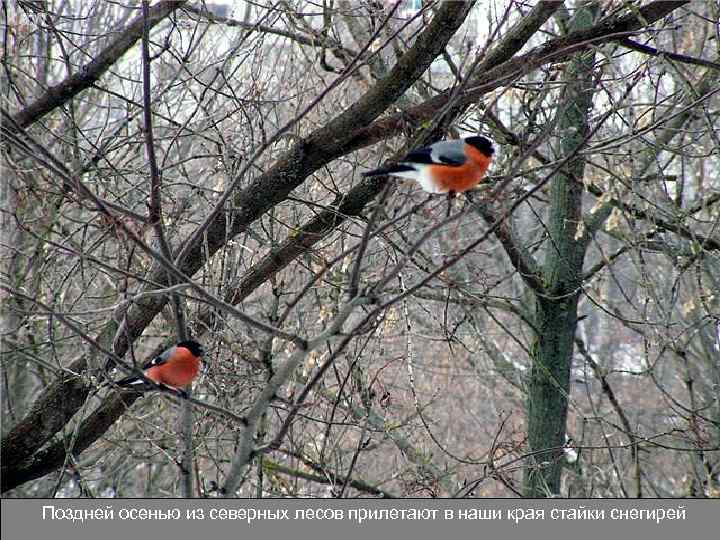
(56, 96)
(339, 137)
(630, 44)
(310, 40)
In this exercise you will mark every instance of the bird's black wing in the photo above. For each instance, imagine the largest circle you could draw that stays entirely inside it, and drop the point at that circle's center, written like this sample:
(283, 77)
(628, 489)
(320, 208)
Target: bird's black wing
(420, 155)
(445, 153)
(159, 359)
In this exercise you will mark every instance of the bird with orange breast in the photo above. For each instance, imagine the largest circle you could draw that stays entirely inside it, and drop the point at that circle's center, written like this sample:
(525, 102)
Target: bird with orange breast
(450, 166)
(175, 368)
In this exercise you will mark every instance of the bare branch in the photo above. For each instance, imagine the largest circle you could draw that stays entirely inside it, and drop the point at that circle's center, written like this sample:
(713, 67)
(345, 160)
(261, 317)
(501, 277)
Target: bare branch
(61, 93)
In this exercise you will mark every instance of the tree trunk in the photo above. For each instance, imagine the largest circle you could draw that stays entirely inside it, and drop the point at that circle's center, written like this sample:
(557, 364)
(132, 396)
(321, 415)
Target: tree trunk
(556, 311)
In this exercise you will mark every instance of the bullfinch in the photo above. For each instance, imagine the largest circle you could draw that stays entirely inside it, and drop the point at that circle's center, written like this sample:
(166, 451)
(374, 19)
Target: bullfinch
(176, 367)
(456, 165)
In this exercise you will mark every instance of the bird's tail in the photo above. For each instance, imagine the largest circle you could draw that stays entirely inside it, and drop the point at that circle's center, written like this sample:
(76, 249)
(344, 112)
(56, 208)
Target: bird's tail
(392, 169)
(134, 382)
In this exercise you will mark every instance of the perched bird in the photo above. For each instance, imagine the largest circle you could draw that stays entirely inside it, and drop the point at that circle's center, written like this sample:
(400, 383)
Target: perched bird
(176, 367)
(456, 165)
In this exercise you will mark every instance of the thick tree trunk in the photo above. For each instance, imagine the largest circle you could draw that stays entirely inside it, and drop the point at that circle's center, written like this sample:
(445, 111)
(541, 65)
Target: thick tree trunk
(556, 307)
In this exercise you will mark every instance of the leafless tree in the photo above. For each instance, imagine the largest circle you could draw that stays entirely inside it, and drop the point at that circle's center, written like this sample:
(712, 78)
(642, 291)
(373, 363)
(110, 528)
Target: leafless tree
(190, 170)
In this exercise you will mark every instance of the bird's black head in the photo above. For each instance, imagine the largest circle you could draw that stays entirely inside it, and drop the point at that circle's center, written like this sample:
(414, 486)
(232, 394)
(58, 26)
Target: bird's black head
(482, 144)
(193, 346)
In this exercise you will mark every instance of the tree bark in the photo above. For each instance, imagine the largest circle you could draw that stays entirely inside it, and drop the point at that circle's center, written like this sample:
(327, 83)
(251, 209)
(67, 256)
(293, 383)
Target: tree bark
(556, 305)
